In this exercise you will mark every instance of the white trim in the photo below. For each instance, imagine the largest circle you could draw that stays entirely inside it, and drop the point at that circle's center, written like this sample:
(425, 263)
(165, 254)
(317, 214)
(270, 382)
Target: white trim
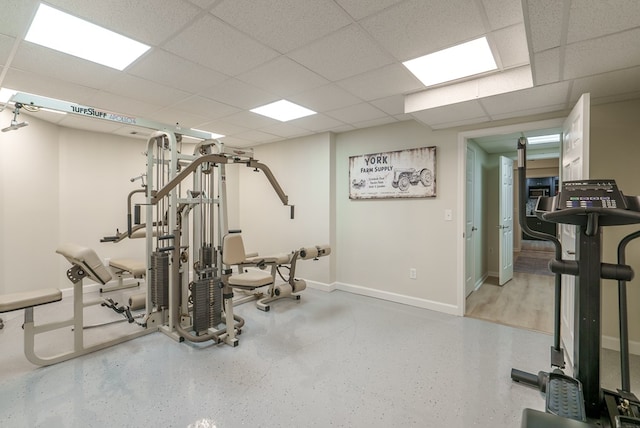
(613, 343)
(480, 281)
(321, 286)
(398, 298)
(494, 274)
(462, 150)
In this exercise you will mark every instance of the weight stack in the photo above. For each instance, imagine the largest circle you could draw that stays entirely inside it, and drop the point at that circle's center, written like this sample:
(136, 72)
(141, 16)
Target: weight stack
(207, 304)
(200, 293)
(159, 281)
(215, 317)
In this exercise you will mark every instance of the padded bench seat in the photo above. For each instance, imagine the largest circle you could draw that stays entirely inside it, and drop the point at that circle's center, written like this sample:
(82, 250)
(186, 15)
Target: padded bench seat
(27, 299)
(138, 268)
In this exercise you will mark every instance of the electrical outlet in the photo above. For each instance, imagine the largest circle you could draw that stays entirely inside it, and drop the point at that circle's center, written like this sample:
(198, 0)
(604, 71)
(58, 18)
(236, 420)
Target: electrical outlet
(413, 274)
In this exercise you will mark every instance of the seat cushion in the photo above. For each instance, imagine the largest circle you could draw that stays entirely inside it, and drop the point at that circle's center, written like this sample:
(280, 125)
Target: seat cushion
(138, 268)
(250, 280)
(26, 299)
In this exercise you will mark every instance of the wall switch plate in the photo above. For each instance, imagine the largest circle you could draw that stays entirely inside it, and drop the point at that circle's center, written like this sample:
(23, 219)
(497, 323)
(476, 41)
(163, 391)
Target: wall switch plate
(448, 214)
(413, 274)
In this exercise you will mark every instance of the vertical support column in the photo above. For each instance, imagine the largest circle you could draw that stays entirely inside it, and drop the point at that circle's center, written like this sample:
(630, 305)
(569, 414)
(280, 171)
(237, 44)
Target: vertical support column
(586, 360)
(78, 317)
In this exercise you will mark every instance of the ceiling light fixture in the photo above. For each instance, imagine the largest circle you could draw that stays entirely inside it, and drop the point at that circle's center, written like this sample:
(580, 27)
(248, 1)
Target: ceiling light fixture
(57, 30)
(543, 139)
(283, 111)
(464, 60)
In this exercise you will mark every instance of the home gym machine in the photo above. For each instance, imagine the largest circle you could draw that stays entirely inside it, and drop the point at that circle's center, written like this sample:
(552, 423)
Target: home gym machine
(579, 401)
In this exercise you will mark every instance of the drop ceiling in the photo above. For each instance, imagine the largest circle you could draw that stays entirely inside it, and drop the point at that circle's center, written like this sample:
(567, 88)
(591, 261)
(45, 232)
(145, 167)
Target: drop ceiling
(212, 61)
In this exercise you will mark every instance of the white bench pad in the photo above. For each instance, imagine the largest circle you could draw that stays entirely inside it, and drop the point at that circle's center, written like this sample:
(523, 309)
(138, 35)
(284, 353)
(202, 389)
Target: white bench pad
(26, 299)
(137, 267)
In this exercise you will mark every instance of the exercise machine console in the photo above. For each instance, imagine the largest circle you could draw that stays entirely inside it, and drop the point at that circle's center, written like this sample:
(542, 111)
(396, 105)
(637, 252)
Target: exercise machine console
(589, 205)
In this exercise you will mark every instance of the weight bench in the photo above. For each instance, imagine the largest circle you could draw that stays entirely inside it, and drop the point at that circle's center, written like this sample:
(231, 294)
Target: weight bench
(85, 264)
(125, 268)
(28, 299)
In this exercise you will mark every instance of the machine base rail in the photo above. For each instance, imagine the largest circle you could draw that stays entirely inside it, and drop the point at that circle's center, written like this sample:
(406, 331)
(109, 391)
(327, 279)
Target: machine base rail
(564, 397)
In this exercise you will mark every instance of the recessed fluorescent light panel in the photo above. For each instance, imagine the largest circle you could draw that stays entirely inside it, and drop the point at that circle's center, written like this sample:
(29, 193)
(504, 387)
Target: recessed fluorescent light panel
(57, 30)
(459, 61)
(283, 111)
(542, 139)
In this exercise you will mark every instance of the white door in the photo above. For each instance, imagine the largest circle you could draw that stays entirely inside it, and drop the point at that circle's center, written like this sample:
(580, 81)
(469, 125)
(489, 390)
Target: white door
(506, 220)
(575, 166)
(469, 241)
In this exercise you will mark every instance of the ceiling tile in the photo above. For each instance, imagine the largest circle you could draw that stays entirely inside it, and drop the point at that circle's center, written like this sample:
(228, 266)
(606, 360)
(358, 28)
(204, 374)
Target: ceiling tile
(44, 61)
(306, 20)
(359, 9)
(168, 69)
(545, 23)
(324, 98)
(16, 17)
(607, 84)
(239, 94)
(47, 86)
(250, 120)
(285, 130)
(151, 92)
(546, 66)
(417, 27)
(503, 13)
(237, 142)
(121, 104)
(546, 108)
(318, 123)
(511, 43)
(147, 21)
(343, 54)
(255, 136)
(221, 127)
(383, 82)
(376, 122)
(175, 117)
(214, 44)
(393, 105)
(205, 107)
(588, 20)
(357, 113)
(600, 55)
(282, 77)
(6, 45)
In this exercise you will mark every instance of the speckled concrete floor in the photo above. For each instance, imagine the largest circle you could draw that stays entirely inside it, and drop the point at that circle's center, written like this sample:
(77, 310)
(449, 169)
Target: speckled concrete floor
(330, 359)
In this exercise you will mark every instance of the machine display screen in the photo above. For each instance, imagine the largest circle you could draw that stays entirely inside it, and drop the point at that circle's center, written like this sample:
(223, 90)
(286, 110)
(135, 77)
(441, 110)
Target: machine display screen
(590, 194)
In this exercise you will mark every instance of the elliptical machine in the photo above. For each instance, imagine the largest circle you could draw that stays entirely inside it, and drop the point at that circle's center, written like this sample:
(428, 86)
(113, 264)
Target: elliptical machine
(572, 401)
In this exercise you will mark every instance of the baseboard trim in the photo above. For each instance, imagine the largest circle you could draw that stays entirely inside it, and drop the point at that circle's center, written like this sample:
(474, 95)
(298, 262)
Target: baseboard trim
(613, 343)
(398, 298)
(321, 286)
(481, 281)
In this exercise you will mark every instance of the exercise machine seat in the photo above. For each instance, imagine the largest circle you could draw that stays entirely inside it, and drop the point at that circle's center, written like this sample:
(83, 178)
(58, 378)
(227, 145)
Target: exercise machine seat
(26, 299)
(233, 254)
(137, 268)
(87, 259)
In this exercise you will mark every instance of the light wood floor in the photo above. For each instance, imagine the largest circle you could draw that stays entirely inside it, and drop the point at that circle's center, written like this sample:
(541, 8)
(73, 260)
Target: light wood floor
(524, 302)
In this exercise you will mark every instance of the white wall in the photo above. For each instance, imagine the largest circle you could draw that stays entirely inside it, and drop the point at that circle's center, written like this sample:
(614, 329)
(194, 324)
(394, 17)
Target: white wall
(378, 241)
(29, 210)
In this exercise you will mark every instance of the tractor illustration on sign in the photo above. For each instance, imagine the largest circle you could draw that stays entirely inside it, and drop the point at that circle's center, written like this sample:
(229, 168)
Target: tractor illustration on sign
(403, 177)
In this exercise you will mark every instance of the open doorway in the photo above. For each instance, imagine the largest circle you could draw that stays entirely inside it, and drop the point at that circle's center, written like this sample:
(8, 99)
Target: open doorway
(524, 299)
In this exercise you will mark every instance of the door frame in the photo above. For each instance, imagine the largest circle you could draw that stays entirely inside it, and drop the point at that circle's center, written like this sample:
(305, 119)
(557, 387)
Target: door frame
(461, 204)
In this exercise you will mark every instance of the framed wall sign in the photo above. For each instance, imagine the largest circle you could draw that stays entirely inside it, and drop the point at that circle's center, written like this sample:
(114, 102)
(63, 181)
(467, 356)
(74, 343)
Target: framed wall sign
(407, 173)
